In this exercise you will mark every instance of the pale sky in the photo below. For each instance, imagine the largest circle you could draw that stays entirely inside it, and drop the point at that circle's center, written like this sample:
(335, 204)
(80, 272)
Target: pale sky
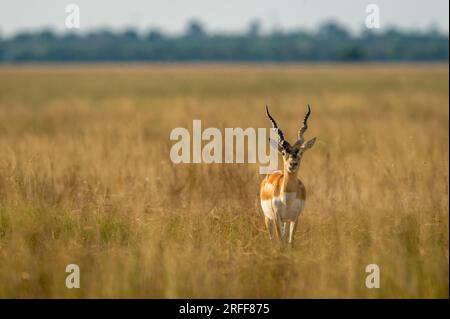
(225, 15)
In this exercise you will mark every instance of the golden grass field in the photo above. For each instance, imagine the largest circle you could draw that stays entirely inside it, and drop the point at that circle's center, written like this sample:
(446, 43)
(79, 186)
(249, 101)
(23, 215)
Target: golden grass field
(86, 178)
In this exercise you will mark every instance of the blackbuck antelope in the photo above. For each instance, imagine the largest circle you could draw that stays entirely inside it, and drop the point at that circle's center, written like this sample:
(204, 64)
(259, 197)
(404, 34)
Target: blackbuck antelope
(282, 194)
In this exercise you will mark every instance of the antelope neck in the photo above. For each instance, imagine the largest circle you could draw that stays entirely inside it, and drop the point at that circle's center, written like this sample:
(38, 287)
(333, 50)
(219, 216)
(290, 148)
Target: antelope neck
(289, 181)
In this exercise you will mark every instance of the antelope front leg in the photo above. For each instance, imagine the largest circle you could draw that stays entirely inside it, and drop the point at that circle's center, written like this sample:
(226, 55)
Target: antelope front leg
(279, 232)
(292, 229)
(286, 231)
(269, 225)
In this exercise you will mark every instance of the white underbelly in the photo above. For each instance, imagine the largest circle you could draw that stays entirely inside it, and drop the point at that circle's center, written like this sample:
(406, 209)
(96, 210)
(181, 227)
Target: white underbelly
(287, 206)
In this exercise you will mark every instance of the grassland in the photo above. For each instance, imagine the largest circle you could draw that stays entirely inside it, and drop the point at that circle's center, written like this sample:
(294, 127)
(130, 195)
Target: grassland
(86, 178)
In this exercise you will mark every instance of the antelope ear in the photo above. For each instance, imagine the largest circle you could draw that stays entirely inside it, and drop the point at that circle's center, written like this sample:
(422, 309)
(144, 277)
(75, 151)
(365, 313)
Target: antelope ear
(309, 144)
(275, 145)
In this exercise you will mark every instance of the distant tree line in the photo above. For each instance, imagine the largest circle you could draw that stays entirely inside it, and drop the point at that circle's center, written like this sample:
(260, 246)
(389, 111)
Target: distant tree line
(330, 42)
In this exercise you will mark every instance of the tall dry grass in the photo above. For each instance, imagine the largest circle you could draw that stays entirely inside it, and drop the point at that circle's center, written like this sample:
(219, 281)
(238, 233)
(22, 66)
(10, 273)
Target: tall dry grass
(86, 178)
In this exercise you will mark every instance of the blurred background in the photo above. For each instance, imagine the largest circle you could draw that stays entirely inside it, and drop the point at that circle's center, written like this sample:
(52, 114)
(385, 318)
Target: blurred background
(202, 30)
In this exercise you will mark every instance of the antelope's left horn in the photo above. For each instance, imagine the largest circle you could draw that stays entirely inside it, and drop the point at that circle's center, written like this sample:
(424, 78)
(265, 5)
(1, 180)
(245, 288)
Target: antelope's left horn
(304, 127)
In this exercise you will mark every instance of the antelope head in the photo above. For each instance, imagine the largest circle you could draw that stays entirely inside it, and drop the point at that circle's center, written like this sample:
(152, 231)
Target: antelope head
(292, 154)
